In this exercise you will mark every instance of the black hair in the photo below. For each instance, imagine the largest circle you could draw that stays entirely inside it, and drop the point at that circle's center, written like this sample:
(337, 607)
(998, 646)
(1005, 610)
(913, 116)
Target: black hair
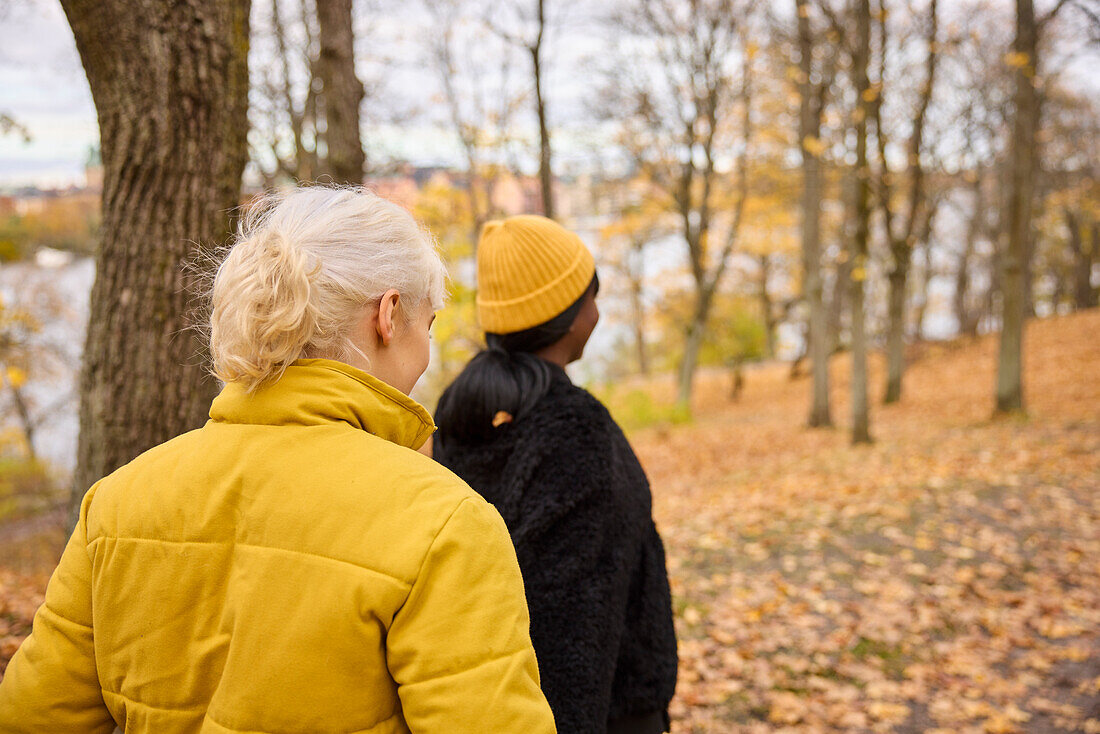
(506, 376)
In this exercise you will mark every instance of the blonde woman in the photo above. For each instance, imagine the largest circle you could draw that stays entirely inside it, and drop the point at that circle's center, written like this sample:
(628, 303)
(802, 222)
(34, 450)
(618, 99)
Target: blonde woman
(293, 565)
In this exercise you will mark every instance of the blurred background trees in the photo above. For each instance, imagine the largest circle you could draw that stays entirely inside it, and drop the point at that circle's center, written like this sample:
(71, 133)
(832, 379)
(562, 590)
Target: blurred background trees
(786, 180)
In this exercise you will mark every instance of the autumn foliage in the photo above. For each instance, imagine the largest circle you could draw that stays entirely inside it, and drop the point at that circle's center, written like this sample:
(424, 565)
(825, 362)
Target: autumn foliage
(944, 579)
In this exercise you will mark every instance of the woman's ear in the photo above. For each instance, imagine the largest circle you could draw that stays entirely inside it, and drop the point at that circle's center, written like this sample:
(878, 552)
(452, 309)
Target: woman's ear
(387, 316)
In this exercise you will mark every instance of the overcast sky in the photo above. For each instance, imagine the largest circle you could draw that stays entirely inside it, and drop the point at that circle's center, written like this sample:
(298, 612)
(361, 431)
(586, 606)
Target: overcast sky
(43, 86)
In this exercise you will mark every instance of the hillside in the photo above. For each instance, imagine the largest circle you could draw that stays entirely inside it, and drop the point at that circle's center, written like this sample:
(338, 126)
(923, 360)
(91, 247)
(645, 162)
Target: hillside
(944, 579)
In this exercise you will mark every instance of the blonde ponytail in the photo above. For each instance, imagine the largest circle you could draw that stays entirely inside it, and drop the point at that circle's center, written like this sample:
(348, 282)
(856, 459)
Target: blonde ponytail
(304, 265)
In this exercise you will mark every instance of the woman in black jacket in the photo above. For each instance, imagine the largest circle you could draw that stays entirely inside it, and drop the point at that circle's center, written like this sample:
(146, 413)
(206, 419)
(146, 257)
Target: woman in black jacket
(563, 476)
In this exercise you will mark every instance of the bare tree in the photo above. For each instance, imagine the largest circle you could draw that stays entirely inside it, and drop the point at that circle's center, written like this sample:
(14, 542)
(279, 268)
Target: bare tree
(532, 43)
(479, 100)
(677, 128)
(36, 355)
(11, 126)
(172, 117)
(285, 96)
(902, 236)
(638, 226)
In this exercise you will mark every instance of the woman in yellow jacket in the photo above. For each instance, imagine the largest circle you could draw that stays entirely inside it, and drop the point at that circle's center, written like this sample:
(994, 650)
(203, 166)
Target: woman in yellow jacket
(294, 565)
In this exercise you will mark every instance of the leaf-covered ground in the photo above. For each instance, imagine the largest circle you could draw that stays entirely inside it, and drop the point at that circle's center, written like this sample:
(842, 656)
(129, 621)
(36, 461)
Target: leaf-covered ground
(944, 579)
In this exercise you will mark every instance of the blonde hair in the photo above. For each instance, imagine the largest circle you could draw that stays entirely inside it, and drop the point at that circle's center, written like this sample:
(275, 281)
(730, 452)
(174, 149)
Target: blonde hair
(304, 264)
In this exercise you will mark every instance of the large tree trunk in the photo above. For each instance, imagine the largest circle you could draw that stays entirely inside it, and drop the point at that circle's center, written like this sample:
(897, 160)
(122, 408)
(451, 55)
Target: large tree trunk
(809, 130)
(861, 432)
(341, 92)
(1014, 296)
(170, 84)
(546, 173)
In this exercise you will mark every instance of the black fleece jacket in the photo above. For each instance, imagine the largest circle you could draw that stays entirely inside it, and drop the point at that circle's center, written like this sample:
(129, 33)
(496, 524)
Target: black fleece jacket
(578, 506)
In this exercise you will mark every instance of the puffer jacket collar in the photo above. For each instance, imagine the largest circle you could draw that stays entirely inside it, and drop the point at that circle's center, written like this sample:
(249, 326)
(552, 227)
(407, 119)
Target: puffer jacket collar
(319, 391)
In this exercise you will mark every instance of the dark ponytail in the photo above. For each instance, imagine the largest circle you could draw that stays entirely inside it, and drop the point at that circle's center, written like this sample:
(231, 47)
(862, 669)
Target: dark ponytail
(507, 376)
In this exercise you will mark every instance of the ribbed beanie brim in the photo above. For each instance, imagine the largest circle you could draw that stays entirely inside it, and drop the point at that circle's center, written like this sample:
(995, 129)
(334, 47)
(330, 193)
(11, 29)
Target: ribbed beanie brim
(529, 270)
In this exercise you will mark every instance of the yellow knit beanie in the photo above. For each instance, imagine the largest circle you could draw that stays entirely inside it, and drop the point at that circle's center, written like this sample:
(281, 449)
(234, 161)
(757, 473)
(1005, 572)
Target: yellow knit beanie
(529, 270)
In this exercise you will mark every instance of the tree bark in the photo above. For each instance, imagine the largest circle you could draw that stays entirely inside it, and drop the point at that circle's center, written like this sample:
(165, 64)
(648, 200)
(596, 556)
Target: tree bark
(1014, 296)
(860, 417)
(170, 85)
(341, 92)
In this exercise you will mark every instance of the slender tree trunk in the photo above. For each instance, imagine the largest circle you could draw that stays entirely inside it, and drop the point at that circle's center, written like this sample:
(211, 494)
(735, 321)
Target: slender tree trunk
(964, 314)
(767, 308)
(341, 92)
(311, 160)
(901, 245)
(172, 110)
(960, 298)
(1084, 296)
(924, 236)
(1010, 389)
(861, 432)
(895, 332)
(26, 422)
(546, 174)
(301, 168)
(838, 297)
(1094, 254)
(694, 342)
(809, 129)
(925, 292)
(637, 307)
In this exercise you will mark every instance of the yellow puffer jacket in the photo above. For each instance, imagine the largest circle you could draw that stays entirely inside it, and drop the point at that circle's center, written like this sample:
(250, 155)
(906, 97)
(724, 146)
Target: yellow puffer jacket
(293, 567)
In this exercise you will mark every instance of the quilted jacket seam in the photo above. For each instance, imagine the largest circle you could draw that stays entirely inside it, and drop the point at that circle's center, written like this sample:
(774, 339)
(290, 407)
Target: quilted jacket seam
(254, 546)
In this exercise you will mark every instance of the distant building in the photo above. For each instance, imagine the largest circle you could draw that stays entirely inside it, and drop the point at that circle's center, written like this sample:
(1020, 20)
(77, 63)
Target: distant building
(400, 189)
